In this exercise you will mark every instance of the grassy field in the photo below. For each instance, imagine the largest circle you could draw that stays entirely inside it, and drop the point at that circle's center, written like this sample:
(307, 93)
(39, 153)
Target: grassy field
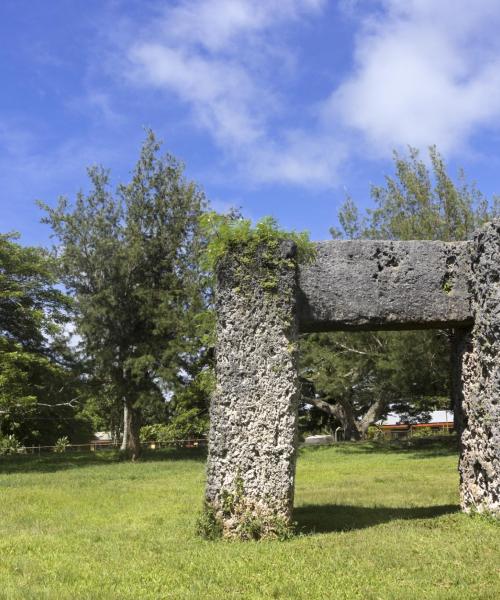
(375, 523)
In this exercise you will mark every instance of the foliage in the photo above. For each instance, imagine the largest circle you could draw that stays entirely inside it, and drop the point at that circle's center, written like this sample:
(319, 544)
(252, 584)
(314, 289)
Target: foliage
(208, 524)
(188, 424)
(428, 432)
(227, 232)
(31, 306)
(419, 202)
(9, 444)
(375, 433)
(130, 258)
(31, 310)
(39, 379)
(61, 444)
(400, 371)
(363, 374)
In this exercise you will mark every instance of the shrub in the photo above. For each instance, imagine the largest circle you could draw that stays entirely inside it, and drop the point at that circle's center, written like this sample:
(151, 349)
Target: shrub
(9, 444)
(375, 433)
(188, 424)
(209, 525)
(426, 432)
(61, 444)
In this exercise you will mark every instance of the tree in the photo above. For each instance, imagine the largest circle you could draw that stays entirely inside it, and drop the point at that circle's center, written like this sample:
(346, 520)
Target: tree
(38, 384)
(130, 260)
(357, 378)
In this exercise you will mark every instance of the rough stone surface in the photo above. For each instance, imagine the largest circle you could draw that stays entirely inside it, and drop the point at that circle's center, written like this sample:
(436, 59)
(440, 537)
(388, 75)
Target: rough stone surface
(253, 435)
(362, 284)
(480, 350)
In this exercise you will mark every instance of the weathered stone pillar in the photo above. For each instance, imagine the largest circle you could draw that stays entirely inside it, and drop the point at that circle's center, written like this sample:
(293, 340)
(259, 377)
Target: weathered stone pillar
(253, 432)
(480, 441)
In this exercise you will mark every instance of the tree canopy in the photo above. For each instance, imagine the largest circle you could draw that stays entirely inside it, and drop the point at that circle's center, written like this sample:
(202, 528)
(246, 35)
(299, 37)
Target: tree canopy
(358, 378)
(130, 259)
(39, 390)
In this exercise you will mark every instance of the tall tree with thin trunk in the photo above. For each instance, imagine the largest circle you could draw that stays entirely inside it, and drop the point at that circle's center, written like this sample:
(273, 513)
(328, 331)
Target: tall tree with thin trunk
(130, 259)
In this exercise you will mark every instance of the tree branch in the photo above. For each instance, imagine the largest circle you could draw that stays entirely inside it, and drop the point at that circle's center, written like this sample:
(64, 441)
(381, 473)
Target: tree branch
(71, 403)
(330, 409)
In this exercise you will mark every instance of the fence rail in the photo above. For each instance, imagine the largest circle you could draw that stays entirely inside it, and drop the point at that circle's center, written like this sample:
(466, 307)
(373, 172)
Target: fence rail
(93, 446)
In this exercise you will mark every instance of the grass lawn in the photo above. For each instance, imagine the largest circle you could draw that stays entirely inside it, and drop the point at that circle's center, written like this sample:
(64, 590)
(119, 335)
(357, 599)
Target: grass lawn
(376, 523)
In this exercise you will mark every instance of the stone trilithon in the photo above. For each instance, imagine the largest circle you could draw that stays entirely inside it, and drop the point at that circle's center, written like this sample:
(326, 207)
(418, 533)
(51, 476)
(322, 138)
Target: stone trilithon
(265, 300)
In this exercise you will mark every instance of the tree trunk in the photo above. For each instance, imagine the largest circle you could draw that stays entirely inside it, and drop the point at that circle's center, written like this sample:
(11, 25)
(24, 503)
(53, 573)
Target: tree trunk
(371, 416)
(126, 426)
(134, 439)
(131, 444)
(348, 420)
(342, 410)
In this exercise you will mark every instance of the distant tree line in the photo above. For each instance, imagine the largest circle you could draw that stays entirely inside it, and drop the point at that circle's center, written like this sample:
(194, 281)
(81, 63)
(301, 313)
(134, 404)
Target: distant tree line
(113, 329)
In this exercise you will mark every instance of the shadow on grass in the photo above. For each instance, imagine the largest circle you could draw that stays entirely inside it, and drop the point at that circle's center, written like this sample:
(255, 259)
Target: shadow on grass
(50, 463)
(327, 518)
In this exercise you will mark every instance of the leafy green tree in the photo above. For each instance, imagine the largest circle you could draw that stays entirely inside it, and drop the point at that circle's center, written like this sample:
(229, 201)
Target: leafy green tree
(418, 202)
(31, 307)
(39, 387)
(357, 378)
(130, 258)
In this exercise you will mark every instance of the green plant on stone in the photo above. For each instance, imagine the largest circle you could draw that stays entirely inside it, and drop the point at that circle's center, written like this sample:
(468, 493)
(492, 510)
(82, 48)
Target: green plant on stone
(248, 522)
(228, 503)
(208, 524)
(225, 233)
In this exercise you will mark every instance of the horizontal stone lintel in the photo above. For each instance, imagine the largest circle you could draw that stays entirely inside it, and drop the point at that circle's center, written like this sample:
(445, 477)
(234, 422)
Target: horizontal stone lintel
(363, 285)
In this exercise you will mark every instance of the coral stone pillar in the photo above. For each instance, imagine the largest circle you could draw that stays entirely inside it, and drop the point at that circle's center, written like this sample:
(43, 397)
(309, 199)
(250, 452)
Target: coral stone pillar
(480, 441)
(253, 431)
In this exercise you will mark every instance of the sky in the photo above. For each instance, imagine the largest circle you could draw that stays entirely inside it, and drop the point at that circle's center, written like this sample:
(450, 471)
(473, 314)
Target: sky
(280, 107)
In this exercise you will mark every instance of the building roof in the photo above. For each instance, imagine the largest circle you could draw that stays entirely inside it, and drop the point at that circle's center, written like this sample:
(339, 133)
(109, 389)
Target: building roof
(437, 416)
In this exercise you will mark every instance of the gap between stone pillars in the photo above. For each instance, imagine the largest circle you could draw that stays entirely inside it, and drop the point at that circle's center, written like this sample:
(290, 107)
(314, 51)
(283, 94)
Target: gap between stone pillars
(253, 431)
(459, 341)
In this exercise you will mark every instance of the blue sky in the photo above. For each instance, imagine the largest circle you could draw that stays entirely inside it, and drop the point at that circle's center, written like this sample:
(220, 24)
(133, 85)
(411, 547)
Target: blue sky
(277, 106)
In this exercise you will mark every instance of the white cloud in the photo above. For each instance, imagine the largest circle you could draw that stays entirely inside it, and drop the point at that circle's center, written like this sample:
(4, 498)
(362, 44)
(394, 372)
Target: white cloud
(303, 158)
(214, 24)
(426, 73)
(219, 91)
(215, 55)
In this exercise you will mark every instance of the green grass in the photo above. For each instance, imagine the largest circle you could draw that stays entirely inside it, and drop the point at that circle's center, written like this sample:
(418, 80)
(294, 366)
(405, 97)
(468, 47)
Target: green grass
(375, 523)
